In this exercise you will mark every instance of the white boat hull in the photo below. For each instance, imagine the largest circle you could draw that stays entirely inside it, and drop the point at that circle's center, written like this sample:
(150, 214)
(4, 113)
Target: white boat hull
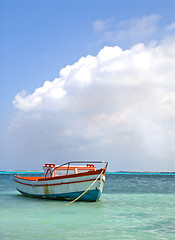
(67, 188)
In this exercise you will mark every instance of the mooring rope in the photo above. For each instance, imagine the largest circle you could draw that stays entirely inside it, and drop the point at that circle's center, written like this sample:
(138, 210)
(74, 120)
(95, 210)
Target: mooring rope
(86, 189)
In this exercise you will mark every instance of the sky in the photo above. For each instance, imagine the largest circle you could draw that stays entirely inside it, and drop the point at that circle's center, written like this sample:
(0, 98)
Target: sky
(87, 80)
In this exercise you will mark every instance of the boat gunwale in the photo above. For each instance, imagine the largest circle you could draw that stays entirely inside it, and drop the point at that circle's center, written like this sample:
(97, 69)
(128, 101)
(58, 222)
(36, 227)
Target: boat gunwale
(92, 172)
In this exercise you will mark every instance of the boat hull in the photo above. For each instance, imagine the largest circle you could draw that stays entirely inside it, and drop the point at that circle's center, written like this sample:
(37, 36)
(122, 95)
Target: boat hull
(63, 188)
(90, 196)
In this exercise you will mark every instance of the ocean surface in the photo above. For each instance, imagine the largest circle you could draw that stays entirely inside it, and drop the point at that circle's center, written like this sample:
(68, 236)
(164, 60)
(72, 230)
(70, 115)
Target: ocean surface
(132, 206)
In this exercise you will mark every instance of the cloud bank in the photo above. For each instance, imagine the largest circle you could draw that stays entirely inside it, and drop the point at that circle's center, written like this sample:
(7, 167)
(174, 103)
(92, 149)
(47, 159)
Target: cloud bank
(117, 106)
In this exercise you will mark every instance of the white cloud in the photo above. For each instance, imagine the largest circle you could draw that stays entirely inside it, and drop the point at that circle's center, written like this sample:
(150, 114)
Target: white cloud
(116, 106)
(49, 91)
(128, 32)
(99, 25)
(102, 25)
(137, 28)
(171, 26)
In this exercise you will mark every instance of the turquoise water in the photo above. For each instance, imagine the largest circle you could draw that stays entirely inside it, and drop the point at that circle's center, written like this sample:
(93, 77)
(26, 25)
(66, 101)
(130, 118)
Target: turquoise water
(132, 206)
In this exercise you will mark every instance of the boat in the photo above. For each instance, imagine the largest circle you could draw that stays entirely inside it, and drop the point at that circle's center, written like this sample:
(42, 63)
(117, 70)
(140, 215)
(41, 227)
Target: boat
(75, 180)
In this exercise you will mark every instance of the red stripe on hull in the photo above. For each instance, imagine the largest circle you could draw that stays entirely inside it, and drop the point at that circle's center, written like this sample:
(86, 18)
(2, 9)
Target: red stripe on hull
(40, 185)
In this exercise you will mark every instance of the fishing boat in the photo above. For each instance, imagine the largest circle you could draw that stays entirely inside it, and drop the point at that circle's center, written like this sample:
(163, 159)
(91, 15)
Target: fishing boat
(75, 180)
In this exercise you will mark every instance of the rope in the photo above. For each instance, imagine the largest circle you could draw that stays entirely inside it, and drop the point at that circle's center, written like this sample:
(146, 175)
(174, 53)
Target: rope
(85, 190)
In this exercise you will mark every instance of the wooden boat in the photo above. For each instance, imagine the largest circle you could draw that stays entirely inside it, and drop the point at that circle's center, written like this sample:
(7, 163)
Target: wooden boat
(65, 182)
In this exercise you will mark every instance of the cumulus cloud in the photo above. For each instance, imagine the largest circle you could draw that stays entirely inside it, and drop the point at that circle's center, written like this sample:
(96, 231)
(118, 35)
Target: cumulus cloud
(50, 90)
(116, 106)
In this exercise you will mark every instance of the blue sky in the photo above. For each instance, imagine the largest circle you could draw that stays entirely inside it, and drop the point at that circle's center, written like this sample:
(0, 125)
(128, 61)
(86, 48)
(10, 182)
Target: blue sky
(40, 38)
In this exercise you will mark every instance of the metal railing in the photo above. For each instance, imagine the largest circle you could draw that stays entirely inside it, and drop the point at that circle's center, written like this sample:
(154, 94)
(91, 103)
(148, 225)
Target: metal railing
(73, 162)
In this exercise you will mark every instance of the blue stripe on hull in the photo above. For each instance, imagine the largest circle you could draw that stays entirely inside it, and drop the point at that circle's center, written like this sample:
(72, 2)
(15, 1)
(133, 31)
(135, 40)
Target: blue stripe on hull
(91, 195)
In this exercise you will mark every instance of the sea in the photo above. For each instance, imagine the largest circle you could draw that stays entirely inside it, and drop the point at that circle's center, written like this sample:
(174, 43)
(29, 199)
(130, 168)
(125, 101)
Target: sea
(133, 206)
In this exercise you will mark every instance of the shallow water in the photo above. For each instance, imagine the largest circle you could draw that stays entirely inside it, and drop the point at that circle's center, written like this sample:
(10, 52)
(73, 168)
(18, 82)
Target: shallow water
(131, 207)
